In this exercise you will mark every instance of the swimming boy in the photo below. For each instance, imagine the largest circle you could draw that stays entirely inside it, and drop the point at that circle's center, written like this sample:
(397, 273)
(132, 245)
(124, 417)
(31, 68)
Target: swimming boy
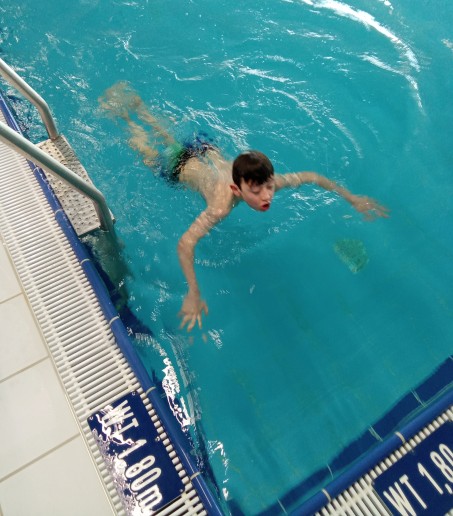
(200, 165)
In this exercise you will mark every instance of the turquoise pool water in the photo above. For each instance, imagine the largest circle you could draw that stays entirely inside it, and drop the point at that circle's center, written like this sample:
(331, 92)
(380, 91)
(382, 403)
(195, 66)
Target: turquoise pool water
(301, 351)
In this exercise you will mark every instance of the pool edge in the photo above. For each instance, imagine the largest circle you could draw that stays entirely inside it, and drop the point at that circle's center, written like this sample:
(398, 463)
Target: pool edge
(119, 331)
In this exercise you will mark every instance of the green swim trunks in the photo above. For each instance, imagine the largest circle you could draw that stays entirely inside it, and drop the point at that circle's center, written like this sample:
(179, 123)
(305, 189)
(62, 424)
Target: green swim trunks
(177, 155)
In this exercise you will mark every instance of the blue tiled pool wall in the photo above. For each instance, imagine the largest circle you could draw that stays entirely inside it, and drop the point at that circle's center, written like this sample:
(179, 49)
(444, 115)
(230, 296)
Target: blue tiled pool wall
(101, 283)
(408, 416)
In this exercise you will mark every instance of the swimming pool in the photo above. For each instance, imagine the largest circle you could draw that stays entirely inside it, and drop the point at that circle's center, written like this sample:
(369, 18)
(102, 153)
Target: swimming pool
(300, 354)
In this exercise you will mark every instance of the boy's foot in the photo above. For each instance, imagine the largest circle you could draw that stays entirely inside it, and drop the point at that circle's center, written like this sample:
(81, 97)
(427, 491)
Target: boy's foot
(119, 99)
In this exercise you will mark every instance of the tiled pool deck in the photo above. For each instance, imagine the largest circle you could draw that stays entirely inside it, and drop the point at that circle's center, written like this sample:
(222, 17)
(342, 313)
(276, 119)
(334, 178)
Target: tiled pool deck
(45, 468)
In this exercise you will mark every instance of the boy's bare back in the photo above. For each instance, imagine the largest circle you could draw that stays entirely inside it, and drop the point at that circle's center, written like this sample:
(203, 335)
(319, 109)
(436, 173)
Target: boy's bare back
(210, 175)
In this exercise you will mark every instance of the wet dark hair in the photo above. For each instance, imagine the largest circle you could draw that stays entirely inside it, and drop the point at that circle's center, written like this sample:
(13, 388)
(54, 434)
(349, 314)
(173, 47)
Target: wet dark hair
(253, 167)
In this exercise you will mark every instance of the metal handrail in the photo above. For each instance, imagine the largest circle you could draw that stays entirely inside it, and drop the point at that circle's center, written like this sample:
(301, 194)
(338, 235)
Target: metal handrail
(35, 154)
(29, 93)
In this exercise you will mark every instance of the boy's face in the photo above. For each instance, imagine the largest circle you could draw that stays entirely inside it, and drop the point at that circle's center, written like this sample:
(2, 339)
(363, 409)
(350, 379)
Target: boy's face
(258, 197)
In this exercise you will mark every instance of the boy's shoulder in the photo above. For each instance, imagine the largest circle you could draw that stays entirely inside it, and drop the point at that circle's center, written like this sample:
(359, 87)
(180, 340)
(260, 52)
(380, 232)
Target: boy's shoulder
(220, 200)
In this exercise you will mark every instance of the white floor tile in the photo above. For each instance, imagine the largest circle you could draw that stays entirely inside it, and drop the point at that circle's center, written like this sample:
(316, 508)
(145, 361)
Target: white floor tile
(21, 343)
(62, 483)
(35, 416)
(9, 286)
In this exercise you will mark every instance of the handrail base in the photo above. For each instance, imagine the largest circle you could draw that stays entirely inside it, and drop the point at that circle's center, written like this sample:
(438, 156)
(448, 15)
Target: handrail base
(79, 208)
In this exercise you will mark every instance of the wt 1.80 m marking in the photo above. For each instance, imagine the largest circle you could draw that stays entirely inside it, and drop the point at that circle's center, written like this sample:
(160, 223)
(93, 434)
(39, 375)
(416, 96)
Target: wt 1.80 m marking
(397, 494)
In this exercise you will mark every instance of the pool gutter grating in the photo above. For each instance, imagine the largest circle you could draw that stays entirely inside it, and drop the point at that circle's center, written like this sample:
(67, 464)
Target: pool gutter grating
(57, 287)
(361, 498)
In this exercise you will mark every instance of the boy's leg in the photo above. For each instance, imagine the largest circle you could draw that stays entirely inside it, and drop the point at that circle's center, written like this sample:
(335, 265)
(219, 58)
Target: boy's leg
(145, 116)
(139, 141)
(120, 100)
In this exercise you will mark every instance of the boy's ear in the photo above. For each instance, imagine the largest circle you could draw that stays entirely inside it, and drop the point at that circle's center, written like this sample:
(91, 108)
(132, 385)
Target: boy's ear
(236, 190)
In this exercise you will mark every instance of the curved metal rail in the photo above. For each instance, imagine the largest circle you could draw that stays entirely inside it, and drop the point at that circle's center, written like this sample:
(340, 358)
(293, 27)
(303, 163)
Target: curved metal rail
(35, 154)
(32, 152)
(29, 93)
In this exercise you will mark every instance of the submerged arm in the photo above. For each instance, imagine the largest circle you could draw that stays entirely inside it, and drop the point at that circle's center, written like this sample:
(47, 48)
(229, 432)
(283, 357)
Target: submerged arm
(193, 305)
(369, 207)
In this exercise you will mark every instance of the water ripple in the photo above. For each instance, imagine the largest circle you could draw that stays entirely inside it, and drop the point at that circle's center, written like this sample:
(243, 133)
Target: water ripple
(366, 19)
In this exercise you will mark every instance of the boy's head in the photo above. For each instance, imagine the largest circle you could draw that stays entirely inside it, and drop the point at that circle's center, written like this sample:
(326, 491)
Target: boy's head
(253, 178)
(253, 167)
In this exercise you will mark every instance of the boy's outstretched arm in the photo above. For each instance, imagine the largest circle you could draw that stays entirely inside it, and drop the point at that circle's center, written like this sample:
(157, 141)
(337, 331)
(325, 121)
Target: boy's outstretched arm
(193, 305)
(369, 207)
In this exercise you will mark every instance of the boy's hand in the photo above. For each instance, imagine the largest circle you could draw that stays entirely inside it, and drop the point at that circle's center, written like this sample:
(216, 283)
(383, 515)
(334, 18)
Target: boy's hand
(369, 207)
(191, 310)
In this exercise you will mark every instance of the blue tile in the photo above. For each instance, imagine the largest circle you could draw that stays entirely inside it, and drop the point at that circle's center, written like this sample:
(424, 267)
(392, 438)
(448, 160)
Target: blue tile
(437, 382)
(406, 406)
(352, 452)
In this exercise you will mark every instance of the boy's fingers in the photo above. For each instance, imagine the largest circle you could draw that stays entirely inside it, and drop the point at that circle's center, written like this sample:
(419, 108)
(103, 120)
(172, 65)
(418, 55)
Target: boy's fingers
(192, 319)
(192, 323)
(184, 321)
